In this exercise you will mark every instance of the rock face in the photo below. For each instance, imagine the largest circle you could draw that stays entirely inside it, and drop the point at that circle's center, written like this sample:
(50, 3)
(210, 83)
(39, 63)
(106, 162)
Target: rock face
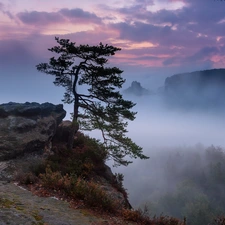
(136, 89)
(27, 127)
(63, 131)
(201, 89)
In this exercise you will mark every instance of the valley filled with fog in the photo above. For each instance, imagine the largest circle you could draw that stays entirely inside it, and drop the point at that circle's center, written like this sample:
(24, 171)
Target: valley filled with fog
(180, 125)
(185, 145)
(161, 130)
(157, 125)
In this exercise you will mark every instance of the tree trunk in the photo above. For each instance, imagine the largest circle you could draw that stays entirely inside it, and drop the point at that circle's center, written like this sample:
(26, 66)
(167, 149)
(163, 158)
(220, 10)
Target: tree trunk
(73, 130)
(74, 126)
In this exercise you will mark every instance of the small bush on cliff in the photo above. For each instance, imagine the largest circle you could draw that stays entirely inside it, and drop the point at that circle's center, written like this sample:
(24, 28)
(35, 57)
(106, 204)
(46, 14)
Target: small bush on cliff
(220, 220)
(87, 156)
(28, 171)
(142, 217)
(78, 188)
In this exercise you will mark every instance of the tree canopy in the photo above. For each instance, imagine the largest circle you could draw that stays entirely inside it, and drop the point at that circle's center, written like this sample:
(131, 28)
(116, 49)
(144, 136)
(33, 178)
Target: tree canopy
(102, 106)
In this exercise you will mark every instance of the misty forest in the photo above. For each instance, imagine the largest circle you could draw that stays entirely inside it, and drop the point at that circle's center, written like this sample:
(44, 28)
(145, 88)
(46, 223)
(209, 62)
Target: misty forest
(182, 127)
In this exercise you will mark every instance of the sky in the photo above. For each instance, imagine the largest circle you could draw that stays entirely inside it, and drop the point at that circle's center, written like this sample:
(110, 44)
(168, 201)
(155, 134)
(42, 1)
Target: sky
(158, 38)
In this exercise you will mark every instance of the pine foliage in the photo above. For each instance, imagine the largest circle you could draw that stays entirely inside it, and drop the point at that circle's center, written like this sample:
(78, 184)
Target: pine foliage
(102, 107)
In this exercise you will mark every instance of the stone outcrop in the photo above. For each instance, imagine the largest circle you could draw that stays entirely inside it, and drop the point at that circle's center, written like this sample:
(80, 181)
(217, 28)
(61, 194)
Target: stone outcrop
(136, 89)
(27, 127)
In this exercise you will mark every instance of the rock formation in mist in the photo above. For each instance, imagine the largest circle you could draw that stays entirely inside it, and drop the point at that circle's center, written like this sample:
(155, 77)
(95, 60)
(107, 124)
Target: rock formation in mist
(201, 89)
(27, 127)
(136, 89)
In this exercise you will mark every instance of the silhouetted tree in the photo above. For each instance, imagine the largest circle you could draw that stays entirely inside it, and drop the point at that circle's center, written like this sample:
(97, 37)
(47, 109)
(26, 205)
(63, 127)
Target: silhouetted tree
(103, 107)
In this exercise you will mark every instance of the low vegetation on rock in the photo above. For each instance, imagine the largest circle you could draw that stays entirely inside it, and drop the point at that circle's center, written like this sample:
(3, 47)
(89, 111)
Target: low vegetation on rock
(81, 177)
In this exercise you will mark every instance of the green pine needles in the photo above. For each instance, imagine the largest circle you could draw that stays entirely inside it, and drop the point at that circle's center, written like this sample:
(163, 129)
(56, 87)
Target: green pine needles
(103, 107)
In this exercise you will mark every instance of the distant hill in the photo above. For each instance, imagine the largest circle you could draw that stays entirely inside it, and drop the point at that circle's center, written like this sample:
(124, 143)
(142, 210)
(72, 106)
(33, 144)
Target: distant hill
(197, 89)
(136, 89)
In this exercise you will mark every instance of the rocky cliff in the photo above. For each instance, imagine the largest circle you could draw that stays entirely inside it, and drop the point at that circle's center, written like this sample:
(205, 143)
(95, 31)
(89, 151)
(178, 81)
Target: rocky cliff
(200, 89)
(27, 127)
(27, 131)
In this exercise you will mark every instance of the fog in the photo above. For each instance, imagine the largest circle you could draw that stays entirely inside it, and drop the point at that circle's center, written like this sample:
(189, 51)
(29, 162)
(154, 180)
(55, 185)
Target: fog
(156, 125)
(165, 131)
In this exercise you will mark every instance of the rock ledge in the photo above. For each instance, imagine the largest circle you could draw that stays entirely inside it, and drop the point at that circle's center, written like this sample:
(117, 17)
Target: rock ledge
(27, 127)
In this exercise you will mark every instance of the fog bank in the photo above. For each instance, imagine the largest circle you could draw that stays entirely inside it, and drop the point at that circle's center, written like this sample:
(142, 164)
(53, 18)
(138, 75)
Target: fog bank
(163, 131)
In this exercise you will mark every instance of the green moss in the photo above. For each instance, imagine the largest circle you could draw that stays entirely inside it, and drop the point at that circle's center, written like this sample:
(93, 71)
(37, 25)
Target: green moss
(6, 203)
(36, 216)
(19, 208)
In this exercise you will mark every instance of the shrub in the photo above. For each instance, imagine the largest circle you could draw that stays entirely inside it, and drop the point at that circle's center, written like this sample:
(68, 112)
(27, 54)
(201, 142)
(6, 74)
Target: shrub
(167, 220)
(28, 170)
(133, 215)
(87, 156)
(118, 184)
(50, 179)
(27, 178)
(220, 220)
(94, 196)
(142, 217)
(88, 191)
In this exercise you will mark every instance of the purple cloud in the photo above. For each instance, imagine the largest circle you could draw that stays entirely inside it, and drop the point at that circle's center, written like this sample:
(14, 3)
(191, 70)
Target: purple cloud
(15, 53)
(80, 14)
(41, 18)
(195, 17)
(191, 34)
(200, 56)
(141, 31)
(61, 16)
(170, 61)
(157, 34)
(203, 53)
(6, 12)
(182, 33)
(1, 6)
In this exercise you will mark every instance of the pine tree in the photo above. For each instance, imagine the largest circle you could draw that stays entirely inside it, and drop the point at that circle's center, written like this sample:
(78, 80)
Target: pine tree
(103, 107)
